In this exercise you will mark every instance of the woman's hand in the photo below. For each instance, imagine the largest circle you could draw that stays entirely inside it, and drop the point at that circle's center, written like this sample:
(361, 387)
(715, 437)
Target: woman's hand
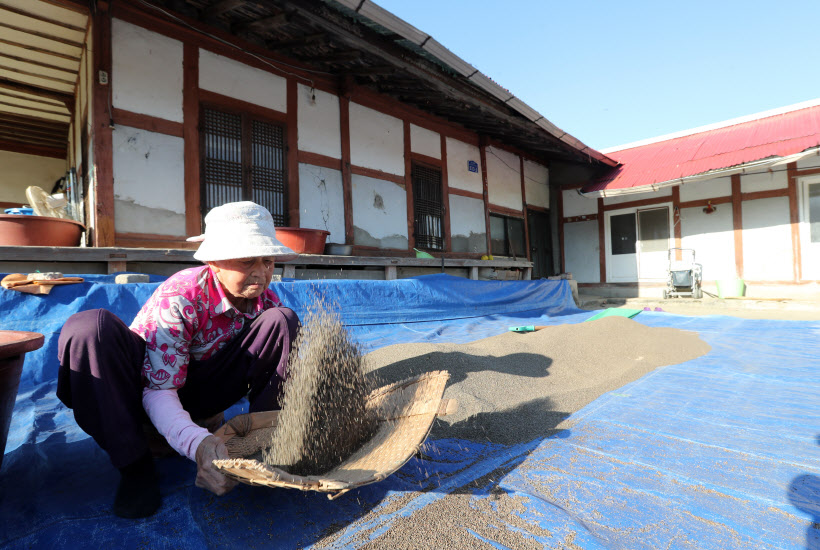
(207, 475)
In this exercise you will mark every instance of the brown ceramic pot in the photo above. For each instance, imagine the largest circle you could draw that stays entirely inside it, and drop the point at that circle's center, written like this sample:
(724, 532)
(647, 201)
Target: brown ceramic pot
(14, 344)
(302, 240)
(17, 230)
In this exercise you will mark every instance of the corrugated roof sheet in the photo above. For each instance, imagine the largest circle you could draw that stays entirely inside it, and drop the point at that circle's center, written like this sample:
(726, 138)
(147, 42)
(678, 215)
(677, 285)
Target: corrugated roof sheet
(779, 135)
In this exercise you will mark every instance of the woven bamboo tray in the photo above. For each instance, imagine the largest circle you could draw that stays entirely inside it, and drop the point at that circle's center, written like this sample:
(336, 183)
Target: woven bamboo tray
(406, 411)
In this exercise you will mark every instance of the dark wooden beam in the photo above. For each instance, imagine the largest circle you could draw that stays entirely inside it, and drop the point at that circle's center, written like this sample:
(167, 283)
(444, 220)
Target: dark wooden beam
(29, 97)
(3, 101)
(335, 57)
(221, 7)
(38, 17)
(57, 95)
(8, 69)
(373, 70)
(34, 130)
(36, 150)
(296, 42)
(262, 25)
(38, 63)
(9, 135)
(37, 122)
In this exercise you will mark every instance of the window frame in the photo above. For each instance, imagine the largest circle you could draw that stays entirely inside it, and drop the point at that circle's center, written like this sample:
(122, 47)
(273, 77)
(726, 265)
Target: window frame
(427, 166)
(507, 239)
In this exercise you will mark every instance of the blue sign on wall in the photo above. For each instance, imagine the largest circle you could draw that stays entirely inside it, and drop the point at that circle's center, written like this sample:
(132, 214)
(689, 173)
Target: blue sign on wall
(472, 166)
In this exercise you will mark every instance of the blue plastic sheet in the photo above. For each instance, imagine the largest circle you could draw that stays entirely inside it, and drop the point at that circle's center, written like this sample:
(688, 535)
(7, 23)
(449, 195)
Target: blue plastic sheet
(719, 452)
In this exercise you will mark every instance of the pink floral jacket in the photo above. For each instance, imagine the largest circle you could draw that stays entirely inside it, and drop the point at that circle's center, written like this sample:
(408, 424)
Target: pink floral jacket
(189, 316)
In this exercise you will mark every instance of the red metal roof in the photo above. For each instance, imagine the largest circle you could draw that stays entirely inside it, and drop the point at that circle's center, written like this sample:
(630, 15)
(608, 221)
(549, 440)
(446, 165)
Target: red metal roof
(777, 135)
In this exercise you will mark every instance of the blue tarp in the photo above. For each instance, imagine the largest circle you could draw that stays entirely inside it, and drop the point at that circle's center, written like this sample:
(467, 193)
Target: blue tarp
(719, 452)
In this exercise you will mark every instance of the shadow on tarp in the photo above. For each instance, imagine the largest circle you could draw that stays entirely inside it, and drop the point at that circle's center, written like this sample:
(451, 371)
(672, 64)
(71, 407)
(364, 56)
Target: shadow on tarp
(59, 486)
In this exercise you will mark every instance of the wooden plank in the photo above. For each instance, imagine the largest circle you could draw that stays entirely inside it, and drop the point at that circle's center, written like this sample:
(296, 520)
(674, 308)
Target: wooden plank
(737, 224)
(794, 220)
(316, 159)
(148, 240)
(601, 241)
(378, 174)
(190, 133)
(445, 194)
(28, 97)
(38, 63)
(47, 36)
(44, 51)
(407, 181)
(347, 182)
(768, 194)
(6, 69)
(231, 103)
(638, 203)
(34, 122)
(148, 122)
(465, 193)
(703, 203)
(222, 6)
(103, 230)
(426, 159)
(504, 211)
(292, 160)
(390, 273)
(38, 17)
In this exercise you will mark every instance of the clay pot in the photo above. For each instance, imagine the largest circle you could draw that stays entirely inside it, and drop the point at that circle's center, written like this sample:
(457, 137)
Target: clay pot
(301, 240)
(16, 230)
(14, 344)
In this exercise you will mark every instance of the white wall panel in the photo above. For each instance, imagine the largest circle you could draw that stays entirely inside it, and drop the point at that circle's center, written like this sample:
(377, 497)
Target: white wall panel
(581, 251)
(149, 188)
(379, 213)
(749, 183)
(318, 122)
(225, 76)
(425, 142)
(709, 189)
(460, 158)
(712, 238)
(503, 178)
(146, 71)
(536, 184)
(812, 161)
(376, 140)
(468, 232)
(19, 171)
(576, 204)
(767, 240)
(321, 201)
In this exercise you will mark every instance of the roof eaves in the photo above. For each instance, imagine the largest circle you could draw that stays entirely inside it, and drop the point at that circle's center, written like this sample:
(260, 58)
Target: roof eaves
(393, 23)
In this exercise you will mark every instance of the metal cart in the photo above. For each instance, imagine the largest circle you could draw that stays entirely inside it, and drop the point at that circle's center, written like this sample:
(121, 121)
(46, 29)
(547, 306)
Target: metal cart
(684, 276)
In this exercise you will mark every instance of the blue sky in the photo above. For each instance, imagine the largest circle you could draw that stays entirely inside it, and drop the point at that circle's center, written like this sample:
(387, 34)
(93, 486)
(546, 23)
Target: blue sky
(612, 72)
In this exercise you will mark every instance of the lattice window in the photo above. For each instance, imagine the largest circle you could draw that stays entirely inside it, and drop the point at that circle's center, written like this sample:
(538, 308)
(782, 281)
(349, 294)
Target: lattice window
(427, 208)
(243, 158)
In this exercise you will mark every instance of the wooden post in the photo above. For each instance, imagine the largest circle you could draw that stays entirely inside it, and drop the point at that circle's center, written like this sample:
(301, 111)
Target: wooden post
(289, 271)
(560, 204)
(676, 223)
(103, 233)
(292, 151)
(527, 251)
(190, 133)
(486, 189)
(390, 273)
(445, 195)
(794, 220)
(737, 224)
(474, 273)
(408, 188)
(347, 179)
(601, 239)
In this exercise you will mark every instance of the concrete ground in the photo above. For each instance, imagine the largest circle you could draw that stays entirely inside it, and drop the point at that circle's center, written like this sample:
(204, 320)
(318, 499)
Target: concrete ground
(747, 308)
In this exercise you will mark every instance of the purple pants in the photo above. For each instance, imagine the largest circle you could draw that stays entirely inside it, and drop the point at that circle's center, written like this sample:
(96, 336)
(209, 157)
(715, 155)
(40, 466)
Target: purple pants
(100, 376)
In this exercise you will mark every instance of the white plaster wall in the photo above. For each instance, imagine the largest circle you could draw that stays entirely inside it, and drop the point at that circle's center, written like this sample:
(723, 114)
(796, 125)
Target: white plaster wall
(376, 140)
(19, 171)
(767, 241)
(713, 239)
(663, 192)
(812, 161)
(146, 71)
(468, 232)
(149, 187)
(709, 189)
(321, 201)
(536, 184)
(234, 79)
(503, 178)
(425, 142)
(318, 122)
(459, 155)
(581, 251)
(749, 183)
(379, 213)
(576, 204)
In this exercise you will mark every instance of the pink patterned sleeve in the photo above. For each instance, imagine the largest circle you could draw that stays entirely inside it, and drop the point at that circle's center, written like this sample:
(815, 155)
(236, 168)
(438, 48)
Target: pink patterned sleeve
(168, 328)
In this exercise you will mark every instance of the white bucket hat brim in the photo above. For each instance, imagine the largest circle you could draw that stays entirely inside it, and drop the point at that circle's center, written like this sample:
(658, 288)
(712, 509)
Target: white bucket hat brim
(240, 230)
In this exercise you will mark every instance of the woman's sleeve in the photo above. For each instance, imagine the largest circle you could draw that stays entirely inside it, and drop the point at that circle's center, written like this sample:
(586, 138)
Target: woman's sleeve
(168, 330)
(173, 422)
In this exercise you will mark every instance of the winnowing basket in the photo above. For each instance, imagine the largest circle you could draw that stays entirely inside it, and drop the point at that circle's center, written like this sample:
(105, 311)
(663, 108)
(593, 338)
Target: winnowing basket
(405, 412)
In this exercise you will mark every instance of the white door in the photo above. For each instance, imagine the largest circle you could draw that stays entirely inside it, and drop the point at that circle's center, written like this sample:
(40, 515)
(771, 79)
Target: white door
(622, 257)
(810, 227)
(653, 243)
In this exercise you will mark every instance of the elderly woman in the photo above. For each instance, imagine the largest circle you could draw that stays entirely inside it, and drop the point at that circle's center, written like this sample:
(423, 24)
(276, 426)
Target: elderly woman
(207, 337)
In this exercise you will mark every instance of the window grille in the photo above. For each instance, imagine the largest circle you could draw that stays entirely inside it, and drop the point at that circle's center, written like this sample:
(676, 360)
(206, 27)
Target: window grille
(427, 208)
(243, 159)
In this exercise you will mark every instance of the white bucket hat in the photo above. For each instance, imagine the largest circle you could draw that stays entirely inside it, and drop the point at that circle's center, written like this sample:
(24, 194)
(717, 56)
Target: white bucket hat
(240, 230)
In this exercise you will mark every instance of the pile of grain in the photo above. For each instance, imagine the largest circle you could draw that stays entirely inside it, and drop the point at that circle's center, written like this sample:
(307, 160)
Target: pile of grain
(323, 418)
(520, 386)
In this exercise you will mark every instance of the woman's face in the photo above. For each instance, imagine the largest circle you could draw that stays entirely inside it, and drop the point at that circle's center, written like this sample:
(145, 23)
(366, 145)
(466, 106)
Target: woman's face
(245, 278)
